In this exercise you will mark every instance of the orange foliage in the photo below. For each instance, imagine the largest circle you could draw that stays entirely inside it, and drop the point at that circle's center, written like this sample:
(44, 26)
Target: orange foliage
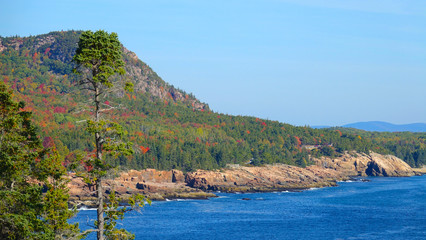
(144, 149)
(298, 140)
(34, 56)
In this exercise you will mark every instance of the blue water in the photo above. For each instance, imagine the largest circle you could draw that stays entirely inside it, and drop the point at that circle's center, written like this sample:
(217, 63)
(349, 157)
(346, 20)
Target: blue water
(385, 208)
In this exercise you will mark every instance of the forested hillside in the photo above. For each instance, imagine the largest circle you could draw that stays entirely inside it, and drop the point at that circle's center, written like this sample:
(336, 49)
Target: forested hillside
(169, 128)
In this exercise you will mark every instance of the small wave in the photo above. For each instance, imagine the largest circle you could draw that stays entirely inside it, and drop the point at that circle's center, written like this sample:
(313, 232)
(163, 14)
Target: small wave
(313, 189)
(85, 208)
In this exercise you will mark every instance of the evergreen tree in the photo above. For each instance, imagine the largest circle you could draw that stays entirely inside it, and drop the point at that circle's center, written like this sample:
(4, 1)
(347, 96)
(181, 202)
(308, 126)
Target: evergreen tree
(25, 169)
(99, 57)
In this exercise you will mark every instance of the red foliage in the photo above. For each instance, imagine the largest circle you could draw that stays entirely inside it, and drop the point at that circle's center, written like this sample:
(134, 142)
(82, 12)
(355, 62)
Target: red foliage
(106, 102)
(46, 51)
(60, 110)
(263, 124)
(41, 87)
(48, 142)
(45, 101)
(87, 166)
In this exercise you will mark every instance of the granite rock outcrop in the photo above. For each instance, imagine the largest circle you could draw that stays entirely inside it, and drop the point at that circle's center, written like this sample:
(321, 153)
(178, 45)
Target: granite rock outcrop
(161, 185)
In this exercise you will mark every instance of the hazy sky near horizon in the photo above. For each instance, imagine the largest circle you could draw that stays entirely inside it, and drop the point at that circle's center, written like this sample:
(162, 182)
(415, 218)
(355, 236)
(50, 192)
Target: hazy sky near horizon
(302, 62)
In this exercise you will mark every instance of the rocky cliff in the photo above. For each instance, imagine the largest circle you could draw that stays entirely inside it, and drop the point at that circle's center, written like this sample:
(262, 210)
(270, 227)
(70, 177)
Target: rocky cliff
(361, 164)
(159, 185)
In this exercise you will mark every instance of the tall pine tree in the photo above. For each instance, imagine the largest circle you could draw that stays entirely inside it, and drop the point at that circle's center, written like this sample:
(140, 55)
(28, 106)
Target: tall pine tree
(98, 58)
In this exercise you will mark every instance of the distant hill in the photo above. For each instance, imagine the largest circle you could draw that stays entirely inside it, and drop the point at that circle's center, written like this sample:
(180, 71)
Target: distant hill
(377, 126)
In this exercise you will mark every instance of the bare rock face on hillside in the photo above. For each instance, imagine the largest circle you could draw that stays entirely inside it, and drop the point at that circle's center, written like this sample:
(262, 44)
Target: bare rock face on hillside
(2, 48)
(361, 164)
(147, 81)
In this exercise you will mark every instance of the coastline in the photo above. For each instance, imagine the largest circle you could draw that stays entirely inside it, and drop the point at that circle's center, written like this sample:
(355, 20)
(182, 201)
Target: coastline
(202, 184)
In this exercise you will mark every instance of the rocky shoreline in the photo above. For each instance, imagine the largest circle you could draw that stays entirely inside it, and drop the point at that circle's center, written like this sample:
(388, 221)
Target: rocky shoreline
(201, 184)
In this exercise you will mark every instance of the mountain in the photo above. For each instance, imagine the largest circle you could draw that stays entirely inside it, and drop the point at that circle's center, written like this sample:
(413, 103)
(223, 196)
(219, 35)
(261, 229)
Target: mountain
(52, 53)
(170, 128)
(387, 127)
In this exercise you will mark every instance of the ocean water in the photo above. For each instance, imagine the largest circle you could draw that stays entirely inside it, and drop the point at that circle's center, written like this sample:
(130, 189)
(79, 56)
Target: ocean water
(384, 208)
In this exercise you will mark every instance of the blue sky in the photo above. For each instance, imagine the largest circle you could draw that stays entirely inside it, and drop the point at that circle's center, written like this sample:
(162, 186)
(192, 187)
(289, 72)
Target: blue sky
(302, 62)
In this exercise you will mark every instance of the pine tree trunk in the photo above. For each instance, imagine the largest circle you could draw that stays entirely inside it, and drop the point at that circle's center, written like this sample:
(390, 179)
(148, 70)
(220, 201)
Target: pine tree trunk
(101, 220)
(99, 188)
